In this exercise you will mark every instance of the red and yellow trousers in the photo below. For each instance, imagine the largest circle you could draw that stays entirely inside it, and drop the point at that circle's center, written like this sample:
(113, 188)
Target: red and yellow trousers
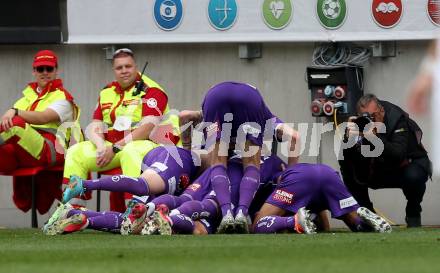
(23, 146)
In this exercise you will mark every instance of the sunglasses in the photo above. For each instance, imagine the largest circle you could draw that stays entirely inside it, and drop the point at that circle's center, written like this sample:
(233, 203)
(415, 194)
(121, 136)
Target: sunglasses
(41, 69)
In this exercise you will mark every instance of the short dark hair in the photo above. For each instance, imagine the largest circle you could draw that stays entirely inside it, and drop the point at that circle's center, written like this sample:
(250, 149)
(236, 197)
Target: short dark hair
(365, 100)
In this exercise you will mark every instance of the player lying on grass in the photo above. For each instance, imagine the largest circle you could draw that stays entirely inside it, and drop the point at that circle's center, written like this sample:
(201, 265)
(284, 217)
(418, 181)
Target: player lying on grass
(316, 187)
(235, 114)
(166, 170)
(198, 203)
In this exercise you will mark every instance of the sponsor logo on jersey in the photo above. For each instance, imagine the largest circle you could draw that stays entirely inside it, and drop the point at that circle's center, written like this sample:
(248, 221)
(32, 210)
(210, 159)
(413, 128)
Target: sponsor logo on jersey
(171, 185)
(283, 196)
(194, 186)
(348, 202)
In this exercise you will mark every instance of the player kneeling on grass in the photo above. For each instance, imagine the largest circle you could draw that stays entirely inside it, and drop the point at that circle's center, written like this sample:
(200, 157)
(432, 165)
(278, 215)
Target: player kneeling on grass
(236, 114)
(316, 187)
(167, 170)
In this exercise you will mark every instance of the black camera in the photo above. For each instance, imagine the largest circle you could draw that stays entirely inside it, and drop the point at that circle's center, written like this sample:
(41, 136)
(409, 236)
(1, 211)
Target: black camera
(362, 120)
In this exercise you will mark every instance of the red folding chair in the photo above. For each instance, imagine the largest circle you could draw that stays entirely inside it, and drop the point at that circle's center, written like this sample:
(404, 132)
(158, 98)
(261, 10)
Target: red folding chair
(33, 171)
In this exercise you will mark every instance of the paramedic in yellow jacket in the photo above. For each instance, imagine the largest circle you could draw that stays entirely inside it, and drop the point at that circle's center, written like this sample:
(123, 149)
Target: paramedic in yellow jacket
(118, 135)
(28, 130)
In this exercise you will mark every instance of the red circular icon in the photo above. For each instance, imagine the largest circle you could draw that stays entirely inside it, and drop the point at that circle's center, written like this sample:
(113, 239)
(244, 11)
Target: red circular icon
(387, 13)
(433, 9)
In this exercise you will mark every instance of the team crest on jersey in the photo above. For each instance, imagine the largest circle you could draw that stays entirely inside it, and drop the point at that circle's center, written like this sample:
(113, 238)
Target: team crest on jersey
(184, 181)
(433, 9)
(331, 13)
(277, 13)
(387, 13)
(222, 14)
(283, 197)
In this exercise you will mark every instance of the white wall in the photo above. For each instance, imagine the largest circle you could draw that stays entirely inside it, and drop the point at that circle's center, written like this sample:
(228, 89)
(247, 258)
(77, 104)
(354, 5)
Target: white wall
(187, 71)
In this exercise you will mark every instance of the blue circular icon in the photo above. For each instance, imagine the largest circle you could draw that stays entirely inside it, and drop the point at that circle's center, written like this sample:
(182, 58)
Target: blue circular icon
(222, 13)
(168, 13)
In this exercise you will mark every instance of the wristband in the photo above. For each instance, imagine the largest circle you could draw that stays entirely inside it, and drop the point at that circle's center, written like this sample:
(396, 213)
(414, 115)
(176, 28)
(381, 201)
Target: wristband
(16, 111)
(115, 149)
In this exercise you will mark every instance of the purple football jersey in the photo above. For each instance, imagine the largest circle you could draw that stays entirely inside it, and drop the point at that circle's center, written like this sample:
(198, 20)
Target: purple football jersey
(315, 186)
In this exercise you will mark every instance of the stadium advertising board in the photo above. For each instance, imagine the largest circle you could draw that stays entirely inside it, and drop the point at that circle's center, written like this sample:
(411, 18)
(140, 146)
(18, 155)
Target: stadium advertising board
(190, 21)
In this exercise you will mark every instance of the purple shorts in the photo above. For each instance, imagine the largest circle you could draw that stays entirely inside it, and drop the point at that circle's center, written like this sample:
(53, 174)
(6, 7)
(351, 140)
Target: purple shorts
(315, 186)
(239, 105)
(201, 187)
(175, 165)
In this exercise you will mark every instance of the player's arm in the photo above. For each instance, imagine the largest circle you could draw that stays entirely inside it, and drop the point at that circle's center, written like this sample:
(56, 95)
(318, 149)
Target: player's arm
(286, 133)
(187, 120)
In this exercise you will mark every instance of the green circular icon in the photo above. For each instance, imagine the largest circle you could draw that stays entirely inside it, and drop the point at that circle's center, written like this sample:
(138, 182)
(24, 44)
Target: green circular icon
(277, 13)
(331, 13)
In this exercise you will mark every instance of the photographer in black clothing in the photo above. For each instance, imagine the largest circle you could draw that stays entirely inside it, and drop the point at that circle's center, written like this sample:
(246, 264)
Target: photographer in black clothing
(404, 162)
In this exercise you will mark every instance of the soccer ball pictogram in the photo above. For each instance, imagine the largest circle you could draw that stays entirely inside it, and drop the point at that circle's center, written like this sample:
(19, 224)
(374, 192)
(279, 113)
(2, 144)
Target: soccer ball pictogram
(331, 9)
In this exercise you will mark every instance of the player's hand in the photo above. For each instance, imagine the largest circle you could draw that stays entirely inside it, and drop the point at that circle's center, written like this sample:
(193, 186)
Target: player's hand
(186, 116)
(104, 156)
(7, 119)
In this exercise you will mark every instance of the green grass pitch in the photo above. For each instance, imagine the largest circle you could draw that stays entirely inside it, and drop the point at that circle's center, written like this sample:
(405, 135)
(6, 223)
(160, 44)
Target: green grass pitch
(412, 251)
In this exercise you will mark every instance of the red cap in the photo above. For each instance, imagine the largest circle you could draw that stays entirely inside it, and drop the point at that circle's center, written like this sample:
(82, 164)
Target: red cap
(45, 57)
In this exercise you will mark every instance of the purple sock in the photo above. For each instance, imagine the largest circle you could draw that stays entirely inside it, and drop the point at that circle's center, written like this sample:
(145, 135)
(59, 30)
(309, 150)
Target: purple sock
(107, 221)
(119, 183)
(192, 209)
(220, 184)
(182, 224)
(248, 187)
(210, 209)
(87, 213)
(170, 201)
(274, 224)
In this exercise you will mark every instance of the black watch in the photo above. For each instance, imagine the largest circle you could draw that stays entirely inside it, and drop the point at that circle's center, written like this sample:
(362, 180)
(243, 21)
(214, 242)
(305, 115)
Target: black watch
(115, 149)
(16, 111)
